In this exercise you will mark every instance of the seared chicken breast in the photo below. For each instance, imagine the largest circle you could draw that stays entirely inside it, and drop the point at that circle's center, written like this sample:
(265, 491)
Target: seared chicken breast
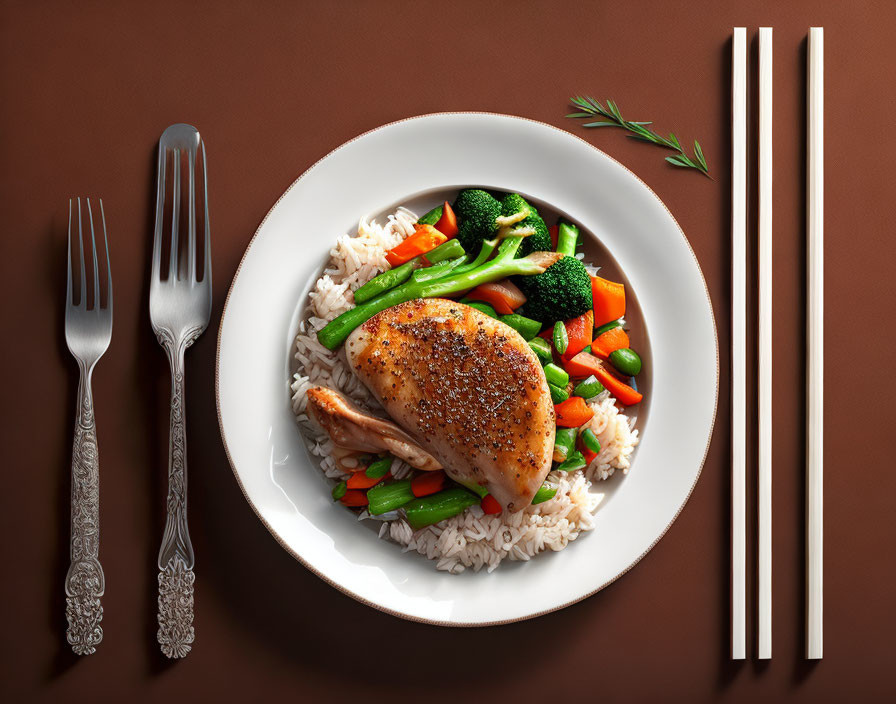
(467, 388)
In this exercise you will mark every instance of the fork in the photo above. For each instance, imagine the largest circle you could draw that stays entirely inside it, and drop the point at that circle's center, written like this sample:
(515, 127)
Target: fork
(179, 308)
(88, 331)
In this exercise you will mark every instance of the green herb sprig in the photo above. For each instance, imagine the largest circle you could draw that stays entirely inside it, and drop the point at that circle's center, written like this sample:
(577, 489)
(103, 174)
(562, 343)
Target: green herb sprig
(589, 107)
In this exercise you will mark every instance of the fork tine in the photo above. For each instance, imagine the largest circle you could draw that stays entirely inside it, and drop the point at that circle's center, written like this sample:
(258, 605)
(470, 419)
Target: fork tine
(68, 285)
(206, 227)
(82, 298)
(96, 266)
(175, 218)
(191, 215)
(108, 261)
(160, 210)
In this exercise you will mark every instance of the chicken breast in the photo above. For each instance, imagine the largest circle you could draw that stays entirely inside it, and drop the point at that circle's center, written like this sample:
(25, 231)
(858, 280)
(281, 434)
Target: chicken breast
(467, 388)
(352, 429)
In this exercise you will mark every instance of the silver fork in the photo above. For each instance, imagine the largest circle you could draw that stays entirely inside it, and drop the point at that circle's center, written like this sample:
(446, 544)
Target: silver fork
(179, 308)
(87, 334)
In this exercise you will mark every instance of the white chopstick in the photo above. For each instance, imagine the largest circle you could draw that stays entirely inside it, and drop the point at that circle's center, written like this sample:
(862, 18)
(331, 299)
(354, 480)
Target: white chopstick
(765, 343)
(815, 333)
(739, 344)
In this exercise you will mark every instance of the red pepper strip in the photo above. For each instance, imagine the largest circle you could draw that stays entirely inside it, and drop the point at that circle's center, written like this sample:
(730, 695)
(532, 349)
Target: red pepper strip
(624, 393)
(555, 235)
(490, 505)
(579, 331)
(359, 480)
(428, 483)
(573, 412)
(354, 498)
(447, 224)
(424, 240)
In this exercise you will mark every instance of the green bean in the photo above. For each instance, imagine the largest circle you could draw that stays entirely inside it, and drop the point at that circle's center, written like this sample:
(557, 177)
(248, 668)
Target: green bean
(588, 388)
(567, 238)
(482, 307)
(626, 361)
(558, 395)
(432, 217)
(385, 281)
(561, 338)
(429, 510)
(564, 442)
(589, 440)
(542, 349)
(437, 271)
(477, 489)
(545, 492)
(339, 491)
(608, 326)
(379, 469)
(526, 327)
(447, 250)
(388, 497)
(575, 461)
(556, 375)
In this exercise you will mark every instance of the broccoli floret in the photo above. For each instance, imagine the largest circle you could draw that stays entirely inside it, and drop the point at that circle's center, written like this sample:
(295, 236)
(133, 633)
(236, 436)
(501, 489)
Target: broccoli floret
(538, 239)
(477, 212)
(562, 292)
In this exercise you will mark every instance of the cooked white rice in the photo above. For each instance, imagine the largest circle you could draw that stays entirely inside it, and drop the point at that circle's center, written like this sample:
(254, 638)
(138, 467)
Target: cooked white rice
(471, 539)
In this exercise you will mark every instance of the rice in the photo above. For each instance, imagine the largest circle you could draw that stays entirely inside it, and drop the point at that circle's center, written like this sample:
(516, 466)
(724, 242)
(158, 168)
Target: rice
(473, 539)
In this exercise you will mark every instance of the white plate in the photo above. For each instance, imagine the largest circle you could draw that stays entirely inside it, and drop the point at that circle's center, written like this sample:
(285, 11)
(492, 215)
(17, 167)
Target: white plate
(395, 164)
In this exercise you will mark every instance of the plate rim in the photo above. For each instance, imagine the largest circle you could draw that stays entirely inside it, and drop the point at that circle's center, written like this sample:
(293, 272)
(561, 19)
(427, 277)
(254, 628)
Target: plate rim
(333, 583)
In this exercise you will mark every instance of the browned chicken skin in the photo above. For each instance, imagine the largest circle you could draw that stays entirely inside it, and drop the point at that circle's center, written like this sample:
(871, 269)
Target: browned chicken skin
(467, 388)
(351, 429)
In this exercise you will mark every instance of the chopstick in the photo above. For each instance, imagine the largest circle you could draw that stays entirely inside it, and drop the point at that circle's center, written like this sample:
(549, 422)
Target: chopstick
(765, 343)
(815, 334)
(739, 344)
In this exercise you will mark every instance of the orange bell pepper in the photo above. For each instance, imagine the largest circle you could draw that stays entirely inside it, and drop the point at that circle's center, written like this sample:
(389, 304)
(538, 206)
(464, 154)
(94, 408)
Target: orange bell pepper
(582, 365)
(424, 240)
(504, 296)
(608, 299)
(623, 393)
(573, 412)
(447, 224)
(610, 341)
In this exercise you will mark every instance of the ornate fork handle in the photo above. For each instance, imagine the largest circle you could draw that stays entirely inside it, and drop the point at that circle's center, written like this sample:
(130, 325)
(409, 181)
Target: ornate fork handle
(176, 557)
(85, 582)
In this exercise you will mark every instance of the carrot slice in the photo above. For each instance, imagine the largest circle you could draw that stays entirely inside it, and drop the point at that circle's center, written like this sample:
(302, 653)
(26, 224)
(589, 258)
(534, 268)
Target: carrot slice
(608, 299)
(424, 240)
(555, 235)
(490, 505)
(609, 342)
(428, 483)
(582, 365)
(447, 224)
(504, 296)
(579, 331)
(624, 393)
(359, 480)
(573, 412)
(354, 498)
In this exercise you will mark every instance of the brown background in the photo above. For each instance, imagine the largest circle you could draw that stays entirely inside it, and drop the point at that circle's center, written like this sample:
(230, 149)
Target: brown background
(87, 88)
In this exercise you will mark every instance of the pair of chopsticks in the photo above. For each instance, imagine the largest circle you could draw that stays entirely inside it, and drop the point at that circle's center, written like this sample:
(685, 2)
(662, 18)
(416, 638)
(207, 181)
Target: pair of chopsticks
(815, 317)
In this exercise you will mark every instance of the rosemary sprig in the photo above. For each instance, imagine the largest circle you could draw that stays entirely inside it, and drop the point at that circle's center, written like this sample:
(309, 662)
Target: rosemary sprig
(589, 107)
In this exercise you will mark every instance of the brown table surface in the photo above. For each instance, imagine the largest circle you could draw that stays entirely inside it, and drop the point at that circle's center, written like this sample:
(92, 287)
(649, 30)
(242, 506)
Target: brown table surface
(87, 88)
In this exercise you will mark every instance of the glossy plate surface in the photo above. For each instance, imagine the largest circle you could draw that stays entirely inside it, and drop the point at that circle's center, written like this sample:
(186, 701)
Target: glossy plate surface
(414, 161)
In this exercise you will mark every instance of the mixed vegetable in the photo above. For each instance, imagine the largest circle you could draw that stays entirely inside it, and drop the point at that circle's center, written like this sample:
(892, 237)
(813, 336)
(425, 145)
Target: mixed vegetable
(528, 276)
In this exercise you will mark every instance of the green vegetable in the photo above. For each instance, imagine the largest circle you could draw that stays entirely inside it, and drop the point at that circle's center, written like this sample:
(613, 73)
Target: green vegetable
(379, 469)
(556, 375)
(567, 238)
(538, 238)
(477, 489)
(387, 497)
(545, 492)
(542, 349)
(561, 337)
(526, 327)
(385, 281)
(588, 388)
(339, 491)
(437, 271)
(626, 361)
(575, 461)
(429, 510)
(564, 442)
(560, 293)
(432, 217)
(503, 265)
(589, 440)
(476, 211)
(558, 395)
(447, 250)
(607, 326)
(482, 307)
(587, 349)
